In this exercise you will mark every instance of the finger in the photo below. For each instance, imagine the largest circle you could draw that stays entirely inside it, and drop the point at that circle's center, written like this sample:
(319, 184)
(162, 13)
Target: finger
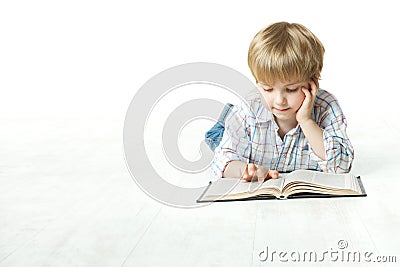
(244, 177)
(261, 174)
(273, 174)
(314, 87)
(245, 174)
(252, 169)
(307, 94)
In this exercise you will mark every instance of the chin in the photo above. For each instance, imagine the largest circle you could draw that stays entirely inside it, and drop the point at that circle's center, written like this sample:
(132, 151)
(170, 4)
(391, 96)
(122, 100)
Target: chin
(281, 115)
(284, 116)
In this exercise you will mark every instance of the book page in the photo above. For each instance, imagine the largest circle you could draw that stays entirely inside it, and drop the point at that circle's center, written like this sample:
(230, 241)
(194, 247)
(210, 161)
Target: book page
(278, 183)
(223, 186)
(342, 181)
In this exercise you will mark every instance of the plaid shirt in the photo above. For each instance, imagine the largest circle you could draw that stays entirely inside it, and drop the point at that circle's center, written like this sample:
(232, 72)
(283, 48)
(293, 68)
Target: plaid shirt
(251, 135)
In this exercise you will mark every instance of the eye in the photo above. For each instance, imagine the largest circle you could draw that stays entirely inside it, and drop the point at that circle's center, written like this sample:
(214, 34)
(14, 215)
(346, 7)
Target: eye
(264, 87)
(292, 90)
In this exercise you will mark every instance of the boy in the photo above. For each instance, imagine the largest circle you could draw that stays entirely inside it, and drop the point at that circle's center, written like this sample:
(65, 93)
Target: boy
(288, 123)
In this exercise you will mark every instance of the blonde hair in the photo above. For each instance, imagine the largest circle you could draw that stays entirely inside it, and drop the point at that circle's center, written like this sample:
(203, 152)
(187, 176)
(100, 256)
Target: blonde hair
(285, 52)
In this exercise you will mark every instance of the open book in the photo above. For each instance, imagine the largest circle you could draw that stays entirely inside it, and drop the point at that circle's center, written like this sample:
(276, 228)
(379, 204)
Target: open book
(299, 183)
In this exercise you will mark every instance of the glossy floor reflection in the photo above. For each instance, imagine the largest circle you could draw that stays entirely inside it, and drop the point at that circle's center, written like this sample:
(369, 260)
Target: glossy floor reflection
(67, 199)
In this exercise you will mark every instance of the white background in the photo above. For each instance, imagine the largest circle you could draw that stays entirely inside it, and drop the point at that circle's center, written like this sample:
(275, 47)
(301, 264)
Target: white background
(87, 58)
(68, 71)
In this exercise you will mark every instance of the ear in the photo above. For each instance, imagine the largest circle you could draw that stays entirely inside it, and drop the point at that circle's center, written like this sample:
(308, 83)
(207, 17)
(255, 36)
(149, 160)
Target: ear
(315, 80)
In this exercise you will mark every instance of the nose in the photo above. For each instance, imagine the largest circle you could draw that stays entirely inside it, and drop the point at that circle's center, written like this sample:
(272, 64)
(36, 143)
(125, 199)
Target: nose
(280, 99)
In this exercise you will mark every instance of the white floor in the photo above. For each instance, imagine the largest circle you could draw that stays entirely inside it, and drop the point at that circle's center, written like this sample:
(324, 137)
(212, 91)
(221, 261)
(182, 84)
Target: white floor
(67, 199)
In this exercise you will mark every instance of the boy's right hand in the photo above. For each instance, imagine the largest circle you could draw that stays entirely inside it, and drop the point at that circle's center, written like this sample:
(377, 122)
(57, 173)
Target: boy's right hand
(256, 172)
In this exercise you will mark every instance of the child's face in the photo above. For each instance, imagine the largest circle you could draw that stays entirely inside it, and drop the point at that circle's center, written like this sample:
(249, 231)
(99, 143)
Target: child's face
(283, 99)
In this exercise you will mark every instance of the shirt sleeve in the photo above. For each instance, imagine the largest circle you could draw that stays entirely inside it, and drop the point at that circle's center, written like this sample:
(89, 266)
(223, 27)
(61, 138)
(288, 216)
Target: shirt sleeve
(235, 142)
(339, 152)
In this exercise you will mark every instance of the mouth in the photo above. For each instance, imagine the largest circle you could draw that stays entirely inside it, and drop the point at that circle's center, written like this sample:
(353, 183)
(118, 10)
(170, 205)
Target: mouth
(281, 110)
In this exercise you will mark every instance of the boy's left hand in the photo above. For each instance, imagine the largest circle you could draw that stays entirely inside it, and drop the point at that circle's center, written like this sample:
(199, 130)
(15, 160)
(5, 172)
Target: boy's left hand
(304, 112)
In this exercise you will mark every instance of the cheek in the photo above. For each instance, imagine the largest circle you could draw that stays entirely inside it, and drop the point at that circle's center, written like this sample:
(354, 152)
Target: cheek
(296, 100)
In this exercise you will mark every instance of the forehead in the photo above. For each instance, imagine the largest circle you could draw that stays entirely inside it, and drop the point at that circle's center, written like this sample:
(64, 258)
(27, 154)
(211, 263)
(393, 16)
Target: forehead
(282, 84)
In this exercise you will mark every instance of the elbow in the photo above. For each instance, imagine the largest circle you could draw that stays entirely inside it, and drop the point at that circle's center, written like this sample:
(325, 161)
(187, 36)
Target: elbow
(343, 162)
(339, 155)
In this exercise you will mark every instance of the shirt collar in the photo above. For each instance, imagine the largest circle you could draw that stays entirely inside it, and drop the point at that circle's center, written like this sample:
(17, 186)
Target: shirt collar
(263, 114)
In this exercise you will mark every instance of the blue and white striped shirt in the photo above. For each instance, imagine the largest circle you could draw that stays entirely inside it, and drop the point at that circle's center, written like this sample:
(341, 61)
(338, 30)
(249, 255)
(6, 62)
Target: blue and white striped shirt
(251, 135)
